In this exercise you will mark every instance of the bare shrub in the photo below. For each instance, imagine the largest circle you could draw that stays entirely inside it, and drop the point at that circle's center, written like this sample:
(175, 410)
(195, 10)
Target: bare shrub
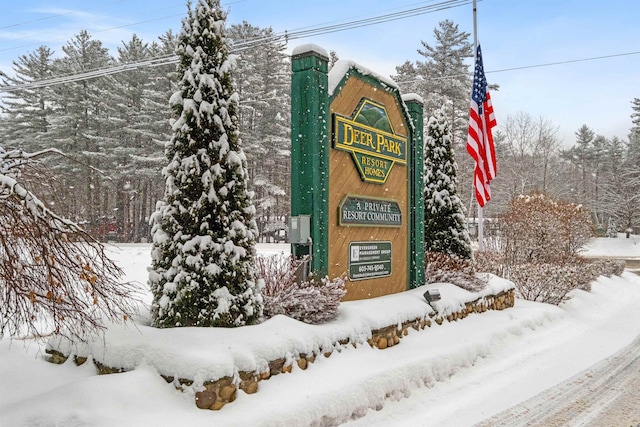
(537, 228)
(551, 283)
(609, 267)
(490, 262)
(441, 267)
(313, 300)
(537, 248)
(54, 278)
(617, 266)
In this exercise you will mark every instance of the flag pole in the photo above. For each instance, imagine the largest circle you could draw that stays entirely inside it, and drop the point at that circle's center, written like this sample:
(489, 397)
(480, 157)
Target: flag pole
(475, 28)
(475, 58)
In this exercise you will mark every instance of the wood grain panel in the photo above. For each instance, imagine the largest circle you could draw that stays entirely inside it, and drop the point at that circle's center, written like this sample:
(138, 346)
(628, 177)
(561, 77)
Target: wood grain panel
(344, 179)
(344, 99)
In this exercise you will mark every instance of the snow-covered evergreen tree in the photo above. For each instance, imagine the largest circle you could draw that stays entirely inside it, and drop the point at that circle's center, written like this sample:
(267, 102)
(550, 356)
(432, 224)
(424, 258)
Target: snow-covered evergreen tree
(138, 157)
(445, 224)
(204, 230)
(28, 111)
(443, 76)
(82, 126)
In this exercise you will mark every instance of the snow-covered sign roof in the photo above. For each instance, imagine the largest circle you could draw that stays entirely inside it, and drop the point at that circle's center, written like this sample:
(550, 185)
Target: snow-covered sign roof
(342, 67)
(412, 97)
(309, 47)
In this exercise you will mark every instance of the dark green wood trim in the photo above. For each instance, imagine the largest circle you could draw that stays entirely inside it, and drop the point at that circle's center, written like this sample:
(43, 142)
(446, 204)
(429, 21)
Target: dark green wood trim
(310, 152)
(416, 200)
(353, 71)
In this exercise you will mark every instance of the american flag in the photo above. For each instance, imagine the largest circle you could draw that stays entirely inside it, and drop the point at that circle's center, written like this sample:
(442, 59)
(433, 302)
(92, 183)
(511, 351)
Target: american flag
(480, 139)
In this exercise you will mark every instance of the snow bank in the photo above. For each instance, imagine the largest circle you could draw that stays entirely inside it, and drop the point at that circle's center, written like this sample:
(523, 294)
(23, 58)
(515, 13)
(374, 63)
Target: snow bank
(204, 354)
(459, 372)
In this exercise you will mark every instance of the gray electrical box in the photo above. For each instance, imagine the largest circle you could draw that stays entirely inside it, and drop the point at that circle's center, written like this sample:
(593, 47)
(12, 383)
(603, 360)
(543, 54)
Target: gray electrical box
(300, 229)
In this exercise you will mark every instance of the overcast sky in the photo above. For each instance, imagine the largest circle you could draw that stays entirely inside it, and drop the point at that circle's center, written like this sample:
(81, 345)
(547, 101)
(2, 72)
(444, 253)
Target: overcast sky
(513, 34)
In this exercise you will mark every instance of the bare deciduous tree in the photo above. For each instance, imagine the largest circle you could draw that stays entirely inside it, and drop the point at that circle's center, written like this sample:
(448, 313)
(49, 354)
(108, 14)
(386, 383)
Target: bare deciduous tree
(54, 278)
(530, 145)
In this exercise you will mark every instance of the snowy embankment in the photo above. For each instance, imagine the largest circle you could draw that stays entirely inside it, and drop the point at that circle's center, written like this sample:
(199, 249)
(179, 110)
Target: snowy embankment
(621, 247)
(197, 354)
(454, 374)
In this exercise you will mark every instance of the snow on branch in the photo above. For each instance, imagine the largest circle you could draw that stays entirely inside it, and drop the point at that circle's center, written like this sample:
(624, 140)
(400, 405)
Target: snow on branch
(54, 277)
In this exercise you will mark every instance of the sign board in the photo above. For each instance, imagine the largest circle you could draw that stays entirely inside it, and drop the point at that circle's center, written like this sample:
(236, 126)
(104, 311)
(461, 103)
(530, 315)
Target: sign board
(368, 135)
(369, 260)
(356, 171)
(369, 212)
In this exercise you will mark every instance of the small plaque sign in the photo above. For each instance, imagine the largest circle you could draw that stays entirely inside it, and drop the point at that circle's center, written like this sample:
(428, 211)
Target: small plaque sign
(369, 260)
(369, 212)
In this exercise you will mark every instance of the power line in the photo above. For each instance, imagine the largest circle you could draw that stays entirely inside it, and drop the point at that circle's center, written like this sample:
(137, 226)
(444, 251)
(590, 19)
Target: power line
(159, 61)
(408, 13)
(283, 37)
(570, 61)
(524, 67)
(73, 12)
(296, 34)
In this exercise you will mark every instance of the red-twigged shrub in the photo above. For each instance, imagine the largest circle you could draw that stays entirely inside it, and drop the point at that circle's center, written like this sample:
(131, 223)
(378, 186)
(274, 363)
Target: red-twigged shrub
(551, 283)
(548, 282)
(313, 300)
(441, 267)
(609, 267)
(537, 248)
(537, 228)
(490, 262)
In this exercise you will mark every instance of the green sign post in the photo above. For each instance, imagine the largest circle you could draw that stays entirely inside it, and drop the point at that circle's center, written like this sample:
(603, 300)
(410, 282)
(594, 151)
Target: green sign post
(310, 151)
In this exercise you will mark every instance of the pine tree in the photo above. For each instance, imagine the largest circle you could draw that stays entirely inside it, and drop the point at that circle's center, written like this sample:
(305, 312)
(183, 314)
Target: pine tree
(158, 88)
(83, 127)
(204, 230)
(263, 83)
(445, 226)
(443, 77)
(410, 78)
(27, 118)
(133, 173)
(28, 111)
(583, 154)
(633, 146)
(628, 207)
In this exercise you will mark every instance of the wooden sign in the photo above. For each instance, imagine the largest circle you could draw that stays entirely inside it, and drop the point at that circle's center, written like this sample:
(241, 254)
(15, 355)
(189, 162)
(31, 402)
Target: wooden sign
(356, 163)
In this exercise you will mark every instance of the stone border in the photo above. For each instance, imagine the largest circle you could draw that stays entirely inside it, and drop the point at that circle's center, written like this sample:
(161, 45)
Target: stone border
(217, 393)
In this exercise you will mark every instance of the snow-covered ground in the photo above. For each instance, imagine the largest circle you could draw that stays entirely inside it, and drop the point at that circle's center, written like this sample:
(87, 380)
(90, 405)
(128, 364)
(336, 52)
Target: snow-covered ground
(621, 247)
(456, 374)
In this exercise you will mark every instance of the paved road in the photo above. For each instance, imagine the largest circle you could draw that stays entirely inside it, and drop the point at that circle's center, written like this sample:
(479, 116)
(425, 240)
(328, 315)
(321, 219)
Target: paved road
(633, 265)
(607, 394)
